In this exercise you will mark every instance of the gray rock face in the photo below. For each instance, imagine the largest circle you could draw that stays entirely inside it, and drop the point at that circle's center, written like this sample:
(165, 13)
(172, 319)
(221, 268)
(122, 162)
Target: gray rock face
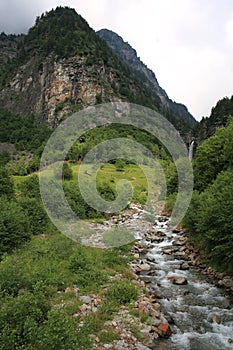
(56, 88)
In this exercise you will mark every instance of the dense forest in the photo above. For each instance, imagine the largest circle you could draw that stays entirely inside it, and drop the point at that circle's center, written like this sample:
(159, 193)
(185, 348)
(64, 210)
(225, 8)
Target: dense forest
(209, 217)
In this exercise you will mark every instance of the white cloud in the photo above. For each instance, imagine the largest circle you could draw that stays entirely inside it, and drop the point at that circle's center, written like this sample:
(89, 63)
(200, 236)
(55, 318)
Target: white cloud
(229, 32)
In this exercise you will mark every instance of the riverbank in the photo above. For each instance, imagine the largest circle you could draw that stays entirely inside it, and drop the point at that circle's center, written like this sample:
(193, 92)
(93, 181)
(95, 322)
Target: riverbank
(140, 326)
(147, 313)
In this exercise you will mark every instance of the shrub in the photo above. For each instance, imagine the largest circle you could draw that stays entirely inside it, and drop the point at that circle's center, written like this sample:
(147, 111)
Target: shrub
(62, 332)
(14, 226)
(6, 184)
(20, 318)
(30, 187)
(36, 213)
(122, 292)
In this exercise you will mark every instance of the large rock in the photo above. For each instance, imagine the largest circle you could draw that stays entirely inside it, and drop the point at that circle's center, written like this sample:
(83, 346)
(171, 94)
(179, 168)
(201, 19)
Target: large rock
(226, 282)
(179, 280)
(164, 328)
(86, 299)
(144, 267)
(184, 266)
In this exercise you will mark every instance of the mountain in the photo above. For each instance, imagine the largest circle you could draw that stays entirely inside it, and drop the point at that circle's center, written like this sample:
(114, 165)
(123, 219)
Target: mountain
(8, 46)
(218, 117)
(128, 55)
(61, 66)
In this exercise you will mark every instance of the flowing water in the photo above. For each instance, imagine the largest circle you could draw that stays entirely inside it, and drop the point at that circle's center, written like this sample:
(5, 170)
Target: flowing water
(191, 146)
(200, 313)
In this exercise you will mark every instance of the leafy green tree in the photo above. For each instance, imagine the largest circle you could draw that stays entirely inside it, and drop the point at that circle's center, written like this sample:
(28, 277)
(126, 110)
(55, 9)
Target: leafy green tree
(190, 219)
(67, 172)
(212, 156)
(30, 187)
(6, 184)
(4, 158)
(36, 213)
(209, 219)
(120, 164)
(14, 226)
(214, 219)
(23, 132)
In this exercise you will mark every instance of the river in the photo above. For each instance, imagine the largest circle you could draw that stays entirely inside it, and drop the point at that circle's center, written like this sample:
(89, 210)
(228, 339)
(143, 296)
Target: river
(200, 314)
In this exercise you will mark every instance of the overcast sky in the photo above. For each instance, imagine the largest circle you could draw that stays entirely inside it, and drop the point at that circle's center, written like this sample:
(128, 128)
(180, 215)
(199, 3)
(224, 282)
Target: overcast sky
(187, 43)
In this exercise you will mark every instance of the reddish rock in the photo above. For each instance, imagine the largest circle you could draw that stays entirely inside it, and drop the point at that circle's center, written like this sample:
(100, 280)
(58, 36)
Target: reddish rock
(165, 329)
(171, 278)
(175, 230)
(141, 309)
(68, 290)
(177, 280)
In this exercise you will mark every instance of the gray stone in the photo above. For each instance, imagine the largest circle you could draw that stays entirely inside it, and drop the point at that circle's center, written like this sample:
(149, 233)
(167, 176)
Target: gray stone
(184, 266)
(179, 280)
(145, 267)
(86, 299)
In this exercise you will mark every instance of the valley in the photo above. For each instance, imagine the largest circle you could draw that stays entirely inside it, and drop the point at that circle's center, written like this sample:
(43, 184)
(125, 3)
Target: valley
(89, 255)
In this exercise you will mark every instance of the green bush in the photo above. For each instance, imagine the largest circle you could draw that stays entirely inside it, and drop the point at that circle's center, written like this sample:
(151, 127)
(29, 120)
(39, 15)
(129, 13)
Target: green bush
(4, 158)
(41, 259)
(190, 219)
(28, 322)
(120, 164)
(62, 332)
(87, 264)
(20, 319)
(122, 292)
(214, 219)
(6, 184)
(30, 187)
(14, 226)
(34, 210)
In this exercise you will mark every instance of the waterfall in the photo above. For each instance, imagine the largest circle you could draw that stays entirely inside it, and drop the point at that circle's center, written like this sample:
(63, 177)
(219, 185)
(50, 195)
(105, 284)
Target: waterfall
(191, 150)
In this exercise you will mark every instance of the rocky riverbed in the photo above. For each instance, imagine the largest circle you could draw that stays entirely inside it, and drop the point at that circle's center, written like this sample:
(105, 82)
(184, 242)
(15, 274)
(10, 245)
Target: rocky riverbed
(175, 287)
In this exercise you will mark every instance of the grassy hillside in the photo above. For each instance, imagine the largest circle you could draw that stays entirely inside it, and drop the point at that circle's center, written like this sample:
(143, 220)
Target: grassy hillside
(46, 278)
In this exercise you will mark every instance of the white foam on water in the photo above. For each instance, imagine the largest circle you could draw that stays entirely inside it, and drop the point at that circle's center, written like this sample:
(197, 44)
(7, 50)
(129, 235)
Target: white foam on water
(196, 341)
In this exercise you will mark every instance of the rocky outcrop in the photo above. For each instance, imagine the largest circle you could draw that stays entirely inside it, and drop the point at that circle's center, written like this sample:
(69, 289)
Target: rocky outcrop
(8, 46)
(57, 88)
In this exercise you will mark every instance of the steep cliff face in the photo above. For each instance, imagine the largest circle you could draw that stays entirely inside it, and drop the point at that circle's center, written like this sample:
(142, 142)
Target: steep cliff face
(57, 87)
(129, 56)
(59, 67)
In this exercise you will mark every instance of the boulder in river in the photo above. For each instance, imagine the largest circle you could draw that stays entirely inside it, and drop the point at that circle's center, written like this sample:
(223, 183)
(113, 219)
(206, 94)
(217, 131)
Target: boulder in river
(216, 319)
(164, 328)
(184, 266)
(144, 267)
(179, 280)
